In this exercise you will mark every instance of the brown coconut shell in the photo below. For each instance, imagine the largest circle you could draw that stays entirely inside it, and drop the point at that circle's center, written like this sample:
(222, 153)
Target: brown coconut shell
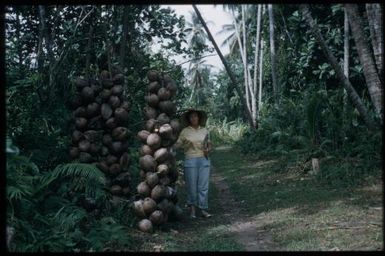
(106, 111)
(77, 136)
(165, 131)
(121, 115)
(162, 170)
(107, 139)
(158, 192)
(117, 147)
(143, 189)
(154, 141)
(152, 179)
(153, 87)
(167, 107)
(142, 174)
(95, 123)
(138, 208)
(145, 150)
(114, 101)
(149, 205)
(163, 119)
(142, 135)
(84, 145)
(94, 149)
(81, 82)
(85, 157)
(163, 205)
(164, 94)
(87, 94)
(152, 75)
(175, 125)
(104, 74)
(152, 100)
(111, 123)
(165, 181)
(145, 225)
(117, 90)
(118, 79)
(172, 87)
(151, 124)
(81, 123)
(93, 136)
(111, 159)
(156, 217)
(105, 94)
(74, 152)
(103, 166)
(115, 169)
(80, 112)
(93, 109)
(104, 151)
(126, 106)
(120, 133)
(150, 113)
(123, 179)
(147, 163)
(161, 155)
(124, 160)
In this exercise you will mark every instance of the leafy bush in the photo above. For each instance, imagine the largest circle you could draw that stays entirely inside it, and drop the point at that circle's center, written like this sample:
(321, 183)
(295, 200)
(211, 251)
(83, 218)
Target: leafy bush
(225, 132)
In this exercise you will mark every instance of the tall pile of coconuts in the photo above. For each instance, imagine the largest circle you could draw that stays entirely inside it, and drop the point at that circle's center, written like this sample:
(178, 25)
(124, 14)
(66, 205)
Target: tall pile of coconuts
(100, 114)
(157, 193)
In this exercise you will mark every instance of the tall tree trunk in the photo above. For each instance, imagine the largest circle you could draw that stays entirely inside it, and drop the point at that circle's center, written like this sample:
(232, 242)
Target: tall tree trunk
(19, 44)
(357, 102)
(245, 64)
(256, 51)
(40, 54)
(123, 43)
(346, 59)
(234, 82)
(260, 78)
(272, 53)
(371, 76)
(375, 20)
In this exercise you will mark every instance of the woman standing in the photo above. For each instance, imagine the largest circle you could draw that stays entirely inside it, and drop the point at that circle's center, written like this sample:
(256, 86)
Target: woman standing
(195, 141)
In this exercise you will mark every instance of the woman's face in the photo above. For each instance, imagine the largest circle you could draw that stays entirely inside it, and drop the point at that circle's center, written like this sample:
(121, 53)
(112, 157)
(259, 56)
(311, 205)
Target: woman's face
(194, 119)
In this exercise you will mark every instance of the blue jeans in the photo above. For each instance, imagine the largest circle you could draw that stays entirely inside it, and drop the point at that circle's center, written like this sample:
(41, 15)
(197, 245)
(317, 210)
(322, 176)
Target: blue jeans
(196, 174)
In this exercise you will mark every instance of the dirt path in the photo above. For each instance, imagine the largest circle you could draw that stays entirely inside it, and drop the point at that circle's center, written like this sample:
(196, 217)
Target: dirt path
(247, 230)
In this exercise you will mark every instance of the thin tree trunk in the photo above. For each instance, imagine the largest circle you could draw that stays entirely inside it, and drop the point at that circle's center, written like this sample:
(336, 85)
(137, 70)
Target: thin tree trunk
(371, 76)
(123, 43)
(272, 53)
(357, 102)
(260, 78)
(19, 44)
(40, 54)
(234, 82)
(374, 14)
(256, 51)
(346, 59)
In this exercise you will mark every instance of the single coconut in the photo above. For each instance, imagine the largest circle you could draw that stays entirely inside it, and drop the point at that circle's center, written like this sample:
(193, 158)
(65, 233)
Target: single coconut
(163, 119)
(165, 181)
(120, 133)
(152, 100)
(115, 169)
(103, 166)
(80, 112)
(107, 83)
(167, 107)
(165, 131)
(151, 125)
(164, 94)
(138, 208)
(153, 87)
(104, 74)
(150, 113)
(107, 139)
(106, 111)
(76, 136)
(87, 94)
(152, 179)
(161, 155)
(94, 149)
(143, 135)
(123, 179)
(117, 147)
(84, 145)
(145, 150)
(124, 160)
(111, 123)
(156, 217)
(154, 141)
(158, 192)
(114, 101)
(149, 205)
(104, 151)
(80, 82)
(152, 75)
(125, 105)
(145, 225)
(105, 94)
(74, 152)
(147, 163)
(121, 115)
(85, 157)
(162, 170)
(143, 189)
(80, 123)
(117, 90)
(111, 159)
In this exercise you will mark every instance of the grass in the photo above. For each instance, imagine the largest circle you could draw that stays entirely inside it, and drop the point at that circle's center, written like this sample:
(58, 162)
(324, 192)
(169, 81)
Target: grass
(301, 213)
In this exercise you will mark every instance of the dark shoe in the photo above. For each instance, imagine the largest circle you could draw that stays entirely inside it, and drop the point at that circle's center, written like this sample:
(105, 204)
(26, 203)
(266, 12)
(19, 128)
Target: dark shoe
(205, 214)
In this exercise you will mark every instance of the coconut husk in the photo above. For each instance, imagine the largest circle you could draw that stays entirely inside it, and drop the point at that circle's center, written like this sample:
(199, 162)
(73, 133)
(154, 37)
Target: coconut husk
(74, 152)
(121, 115)
(117, 90)
(85, 157)
(107, 83)
(115, 169)
(151, 124)
(80, 112)
(149, 205)
(152, 75)
(123, 179)
(87, 94)
(120, 133)
(145, 225)
(105, 94)
(164, 94)
(150, 113)
(81, 123)
(106, 111)
(124, 160)
(142, 135)
(126, 106)
(114, 101)
(81, 82)
(154, 141)
(107, 139)
(152, 100)
(161, 155)
(152, 179)
(156, 217)
(77, 136)
(143, 189)
(118, 79)
(111, 123)
(145, 150)
(163, 119)
(147, 163)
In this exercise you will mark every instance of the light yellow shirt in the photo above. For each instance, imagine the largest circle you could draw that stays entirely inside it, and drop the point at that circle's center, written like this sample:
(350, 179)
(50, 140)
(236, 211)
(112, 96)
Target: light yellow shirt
(196, 136)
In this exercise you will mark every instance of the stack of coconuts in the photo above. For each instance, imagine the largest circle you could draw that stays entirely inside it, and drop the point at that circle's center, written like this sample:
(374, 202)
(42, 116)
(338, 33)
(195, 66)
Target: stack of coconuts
(159, 172)
(100, 135)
